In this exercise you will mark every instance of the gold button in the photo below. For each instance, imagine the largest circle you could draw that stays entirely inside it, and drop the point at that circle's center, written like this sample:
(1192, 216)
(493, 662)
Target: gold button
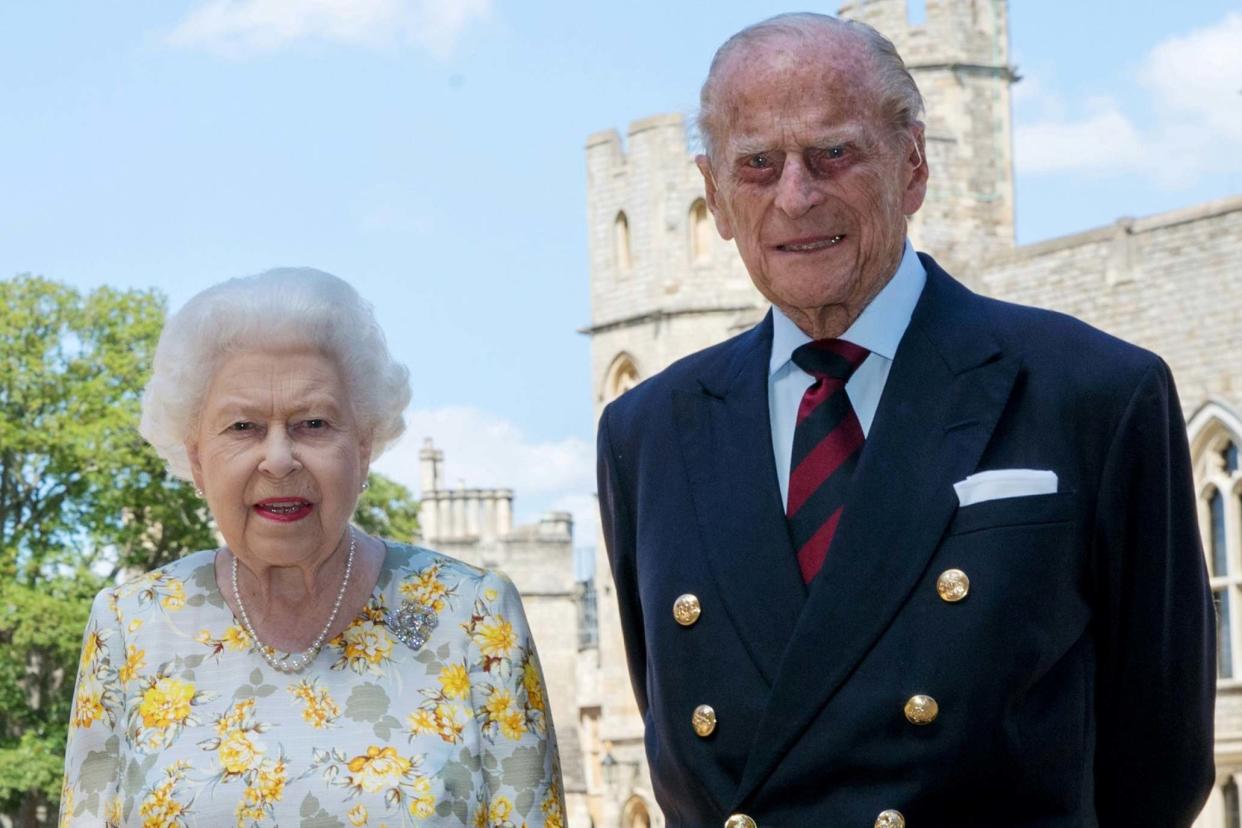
(704, 720)
(687, 609)
(922, 710)
(740, 821)
(890, 819)
(953, 585)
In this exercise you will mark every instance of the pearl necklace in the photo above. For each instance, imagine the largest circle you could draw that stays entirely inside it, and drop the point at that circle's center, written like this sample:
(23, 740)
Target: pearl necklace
(295, 662)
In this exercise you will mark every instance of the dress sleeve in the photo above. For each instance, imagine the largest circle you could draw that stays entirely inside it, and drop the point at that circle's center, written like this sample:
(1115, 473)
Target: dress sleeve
(521, 769)
(90, 794)
(1154, 622)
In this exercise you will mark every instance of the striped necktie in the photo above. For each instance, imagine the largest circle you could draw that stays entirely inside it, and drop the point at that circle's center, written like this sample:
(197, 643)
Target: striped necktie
(827, 442)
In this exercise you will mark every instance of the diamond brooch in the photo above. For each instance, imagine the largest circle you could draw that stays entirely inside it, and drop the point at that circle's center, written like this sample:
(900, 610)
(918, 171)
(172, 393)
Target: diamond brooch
(411, 624)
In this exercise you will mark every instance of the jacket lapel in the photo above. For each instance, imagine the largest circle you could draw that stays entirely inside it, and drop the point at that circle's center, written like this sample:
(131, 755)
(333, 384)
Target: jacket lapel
(944, 394)
(725, 437)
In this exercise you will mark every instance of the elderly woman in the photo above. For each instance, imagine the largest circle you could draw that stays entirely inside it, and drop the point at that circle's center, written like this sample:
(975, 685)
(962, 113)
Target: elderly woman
(304, 673)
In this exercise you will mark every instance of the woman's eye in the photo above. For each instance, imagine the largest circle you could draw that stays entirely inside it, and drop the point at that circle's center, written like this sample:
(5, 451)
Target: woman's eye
(243, 426)
(315, 423)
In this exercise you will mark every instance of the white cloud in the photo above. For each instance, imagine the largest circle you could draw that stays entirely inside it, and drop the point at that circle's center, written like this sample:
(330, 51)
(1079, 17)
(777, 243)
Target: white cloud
(1193, 129)
(484, 450)
(243, 27)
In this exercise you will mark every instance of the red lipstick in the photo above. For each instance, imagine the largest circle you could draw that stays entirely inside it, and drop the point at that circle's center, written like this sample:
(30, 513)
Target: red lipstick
(284, 509)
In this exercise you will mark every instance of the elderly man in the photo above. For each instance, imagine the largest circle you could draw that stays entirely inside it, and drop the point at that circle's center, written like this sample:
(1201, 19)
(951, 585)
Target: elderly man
(900, 555)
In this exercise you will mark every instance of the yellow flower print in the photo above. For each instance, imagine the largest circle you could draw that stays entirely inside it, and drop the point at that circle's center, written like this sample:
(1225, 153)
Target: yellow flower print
(90, 648)
(491, 594)
(512, 725)
(427, 589)
(66, 803)
(422, 801)
(499, 702)
(480, 818)
(235, 717)
(88, 704)
(554, 815)
(455, 681)
(449, 723)
(364, 645)
(135, 625)
(166, 703)
(238, 753)
(533, 685)
(380, 768)
(501, 810)
(496, 638)
(112, 814)
(174, 596)
(135, 660)
(320, 710)
(160, 808)
(235, 639)
(421, 721)
(358, 815)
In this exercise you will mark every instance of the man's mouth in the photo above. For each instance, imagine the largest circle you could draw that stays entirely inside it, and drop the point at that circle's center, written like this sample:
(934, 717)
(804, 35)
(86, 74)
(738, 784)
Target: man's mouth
(810, 245)
(283, 508)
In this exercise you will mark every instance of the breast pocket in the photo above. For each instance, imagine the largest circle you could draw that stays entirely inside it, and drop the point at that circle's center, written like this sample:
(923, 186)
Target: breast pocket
(1028, 510)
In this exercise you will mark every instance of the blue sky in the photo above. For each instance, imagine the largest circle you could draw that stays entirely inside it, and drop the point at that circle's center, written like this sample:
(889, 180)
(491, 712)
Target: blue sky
(431, 153)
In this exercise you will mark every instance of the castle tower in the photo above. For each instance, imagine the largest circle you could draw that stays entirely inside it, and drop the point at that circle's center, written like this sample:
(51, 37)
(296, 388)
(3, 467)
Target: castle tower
(959, 57)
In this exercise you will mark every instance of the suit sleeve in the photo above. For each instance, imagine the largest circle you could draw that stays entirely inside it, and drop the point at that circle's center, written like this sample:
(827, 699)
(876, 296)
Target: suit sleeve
(620, 538)
(1156, 682)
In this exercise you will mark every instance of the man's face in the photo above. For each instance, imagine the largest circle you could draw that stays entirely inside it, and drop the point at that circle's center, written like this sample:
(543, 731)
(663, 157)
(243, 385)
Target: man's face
(809, 180)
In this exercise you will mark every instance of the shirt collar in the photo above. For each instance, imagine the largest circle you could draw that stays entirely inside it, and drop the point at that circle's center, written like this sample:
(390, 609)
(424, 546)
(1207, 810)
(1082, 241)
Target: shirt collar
(878, 328)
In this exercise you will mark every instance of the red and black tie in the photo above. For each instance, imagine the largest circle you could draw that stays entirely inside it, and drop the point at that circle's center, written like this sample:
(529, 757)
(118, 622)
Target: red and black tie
(827, 442)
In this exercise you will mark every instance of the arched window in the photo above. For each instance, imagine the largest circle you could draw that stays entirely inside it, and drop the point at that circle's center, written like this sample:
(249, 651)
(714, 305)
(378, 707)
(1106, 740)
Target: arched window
(622, 375)
(636, 814)
(621, 241)
(1229, 798)
(1214, 440)
(700, 232)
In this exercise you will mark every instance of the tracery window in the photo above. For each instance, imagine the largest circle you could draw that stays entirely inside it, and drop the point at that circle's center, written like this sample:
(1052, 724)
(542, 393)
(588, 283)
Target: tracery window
(1214, 448)
(622, 375)
(1229, 797)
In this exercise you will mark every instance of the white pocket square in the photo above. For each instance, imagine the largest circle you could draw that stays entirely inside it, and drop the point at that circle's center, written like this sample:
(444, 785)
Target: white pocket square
(998, 483)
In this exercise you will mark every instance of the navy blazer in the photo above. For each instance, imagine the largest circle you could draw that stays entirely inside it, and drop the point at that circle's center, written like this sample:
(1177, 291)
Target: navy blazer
(1075, 682)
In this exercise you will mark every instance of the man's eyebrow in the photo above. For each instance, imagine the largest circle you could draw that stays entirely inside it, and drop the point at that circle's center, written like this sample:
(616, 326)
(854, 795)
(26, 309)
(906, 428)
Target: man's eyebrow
(743, 147)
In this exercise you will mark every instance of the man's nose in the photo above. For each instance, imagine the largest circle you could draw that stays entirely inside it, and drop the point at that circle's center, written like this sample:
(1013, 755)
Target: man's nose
(279, 454)
(797, 190)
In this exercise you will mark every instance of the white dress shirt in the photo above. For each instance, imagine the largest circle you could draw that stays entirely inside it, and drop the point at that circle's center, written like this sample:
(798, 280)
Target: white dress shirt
(878, 328)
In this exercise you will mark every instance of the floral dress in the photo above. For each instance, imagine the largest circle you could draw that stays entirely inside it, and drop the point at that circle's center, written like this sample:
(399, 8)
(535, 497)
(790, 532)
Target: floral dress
(178, 721)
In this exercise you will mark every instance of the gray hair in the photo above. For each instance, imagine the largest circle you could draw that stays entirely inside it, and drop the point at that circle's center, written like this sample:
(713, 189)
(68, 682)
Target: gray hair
(901, 105)
(285, 307)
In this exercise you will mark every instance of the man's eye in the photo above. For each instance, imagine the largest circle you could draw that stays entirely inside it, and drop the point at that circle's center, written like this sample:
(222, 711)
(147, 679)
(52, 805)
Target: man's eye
(827, 159)
(315, 423)
(242, 426)
(759, 161)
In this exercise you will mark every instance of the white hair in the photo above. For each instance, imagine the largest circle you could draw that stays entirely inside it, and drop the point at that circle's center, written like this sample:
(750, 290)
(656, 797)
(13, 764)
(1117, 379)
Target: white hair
(281, 308)
(901, 104)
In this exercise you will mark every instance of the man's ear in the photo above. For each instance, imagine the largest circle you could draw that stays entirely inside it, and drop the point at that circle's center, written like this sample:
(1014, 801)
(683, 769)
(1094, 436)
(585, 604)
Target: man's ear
(723, 225)
(914, 164)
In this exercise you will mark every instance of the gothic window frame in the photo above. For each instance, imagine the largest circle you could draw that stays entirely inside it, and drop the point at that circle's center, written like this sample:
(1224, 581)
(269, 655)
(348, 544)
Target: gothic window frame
(699, 225)
(621, 376)
(1211, 431)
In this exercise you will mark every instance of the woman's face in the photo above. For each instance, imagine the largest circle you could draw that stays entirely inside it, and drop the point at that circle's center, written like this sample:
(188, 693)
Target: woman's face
(279, 455)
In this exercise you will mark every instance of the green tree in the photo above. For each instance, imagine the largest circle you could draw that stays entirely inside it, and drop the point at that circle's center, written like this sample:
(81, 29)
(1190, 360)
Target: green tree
(81, 497)
(387, 509)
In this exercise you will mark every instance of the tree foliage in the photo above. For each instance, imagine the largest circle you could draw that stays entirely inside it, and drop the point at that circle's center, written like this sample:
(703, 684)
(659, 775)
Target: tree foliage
(81, 498)
(387, 510)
